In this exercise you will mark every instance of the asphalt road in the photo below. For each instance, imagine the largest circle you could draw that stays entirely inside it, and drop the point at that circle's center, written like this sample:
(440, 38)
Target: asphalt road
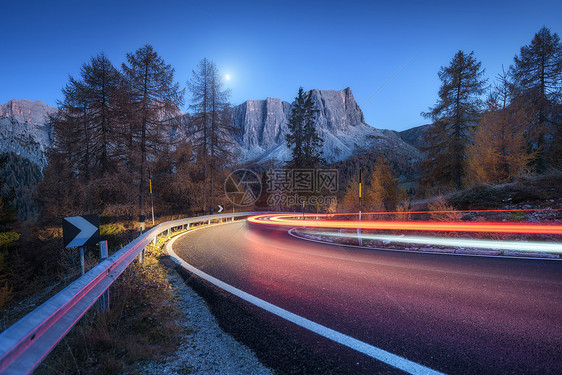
(455, 314)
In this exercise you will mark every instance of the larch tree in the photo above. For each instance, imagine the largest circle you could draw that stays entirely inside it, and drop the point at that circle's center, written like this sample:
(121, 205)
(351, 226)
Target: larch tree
(382, 192)
(210, 125)
(155, 98)
(101, 82)
(84, 130)
(455, 113)
(498, 151)
(350, 200)
(302, 139)
(537, 74)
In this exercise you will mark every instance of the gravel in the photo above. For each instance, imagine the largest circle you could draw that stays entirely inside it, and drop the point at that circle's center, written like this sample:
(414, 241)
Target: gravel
(205, 348)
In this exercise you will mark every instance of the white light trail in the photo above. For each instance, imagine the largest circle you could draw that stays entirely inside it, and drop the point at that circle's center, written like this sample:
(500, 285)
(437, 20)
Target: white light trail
(536, 247)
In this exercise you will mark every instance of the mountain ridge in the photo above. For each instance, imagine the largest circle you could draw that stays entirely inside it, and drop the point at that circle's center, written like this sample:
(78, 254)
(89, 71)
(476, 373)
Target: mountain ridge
(340, 122)
(24, 129)
(261, 129)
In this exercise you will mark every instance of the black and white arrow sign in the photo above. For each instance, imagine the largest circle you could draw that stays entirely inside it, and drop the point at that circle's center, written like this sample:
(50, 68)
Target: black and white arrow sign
(81, 230)
(220, 208)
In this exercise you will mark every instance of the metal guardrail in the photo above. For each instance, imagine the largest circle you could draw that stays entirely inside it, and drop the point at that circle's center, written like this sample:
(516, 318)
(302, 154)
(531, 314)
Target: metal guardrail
(24, 345)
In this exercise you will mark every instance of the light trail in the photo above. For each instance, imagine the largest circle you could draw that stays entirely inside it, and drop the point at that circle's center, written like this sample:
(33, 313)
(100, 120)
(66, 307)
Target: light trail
(538, 247)
(295, 220)
(440, 212)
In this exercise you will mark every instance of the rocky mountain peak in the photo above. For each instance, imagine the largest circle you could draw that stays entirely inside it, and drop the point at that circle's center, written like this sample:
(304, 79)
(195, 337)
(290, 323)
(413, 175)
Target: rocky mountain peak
(24, 129)
(338, 109)
(340, 122)
(27, 111)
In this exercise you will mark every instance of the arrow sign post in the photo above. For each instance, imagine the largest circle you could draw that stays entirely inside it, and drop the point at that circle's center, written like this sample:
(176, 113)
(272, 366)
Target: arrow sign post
(220, 208)
(81, 231)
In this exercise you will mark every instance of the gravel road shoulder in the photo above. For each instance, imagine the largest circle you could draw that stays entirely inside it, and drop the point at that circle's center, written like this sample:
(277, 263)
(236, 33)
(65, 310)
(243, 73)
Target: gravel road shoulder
(205, 348)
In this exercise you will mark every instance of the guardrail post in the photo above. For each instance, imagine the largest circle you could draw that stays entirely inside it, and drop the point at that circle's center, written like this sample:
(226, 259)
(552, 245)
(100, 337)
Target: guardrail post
(168, 233)
(141, 254)
(209, 222)
(103, 301)
(82, 267)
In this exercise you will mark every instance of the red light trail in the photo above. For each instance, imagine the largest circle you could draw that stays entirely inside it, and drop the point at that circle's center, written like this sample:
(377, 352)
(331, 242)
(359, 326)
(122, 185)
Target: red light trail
(295, 220)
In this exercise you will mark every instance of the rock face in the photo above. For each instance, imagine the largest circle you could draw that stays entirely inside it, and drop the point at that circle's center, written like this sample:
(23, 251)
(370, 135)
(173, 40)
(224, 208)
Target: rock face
(24, 129)
(262, 124)
(340, 122)
(260, 136)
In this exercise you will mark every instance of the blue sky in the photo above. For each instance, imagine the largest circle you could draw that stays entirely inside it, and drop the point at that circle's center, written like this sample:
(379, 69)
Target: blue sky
(271, 48)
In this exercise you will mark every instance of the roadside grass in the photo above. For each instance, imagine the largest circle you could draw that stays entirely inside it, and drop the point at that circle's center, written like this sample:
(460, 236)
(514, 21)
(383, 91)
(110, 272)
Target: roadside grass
(141, 324)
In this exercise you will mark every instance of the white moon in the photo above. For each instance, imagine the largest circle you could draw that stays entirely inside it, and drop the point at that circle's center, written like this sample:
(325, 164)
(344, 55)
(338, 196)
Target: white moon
(227, 77)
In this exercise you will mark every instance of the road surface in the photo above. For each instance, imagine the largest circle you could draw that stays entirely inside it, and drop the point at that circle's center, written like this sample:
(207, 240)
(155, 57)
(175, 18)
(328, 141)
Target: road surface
(455, 314)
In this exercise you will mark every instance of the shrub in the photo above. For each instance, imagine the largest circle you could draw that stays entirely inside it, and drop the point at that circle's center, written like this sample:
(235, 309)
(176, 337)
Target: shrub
(443, 211)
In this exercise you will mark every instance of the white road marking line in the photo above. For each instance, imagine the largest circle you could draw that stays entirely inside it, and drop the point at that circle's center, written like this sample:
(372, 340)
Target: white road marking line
(343, 339)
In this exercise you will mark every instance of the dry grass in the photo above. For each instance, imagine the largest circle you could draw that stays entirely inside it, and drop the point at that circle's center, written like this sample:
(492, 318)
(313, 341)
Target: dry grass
(443, 211)
(140, 325)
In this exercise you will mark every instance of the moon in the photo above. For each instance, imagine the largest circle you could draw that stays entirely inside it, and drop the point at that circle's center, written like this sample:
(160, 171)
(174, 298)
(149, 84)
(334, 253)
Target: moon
(227, 77)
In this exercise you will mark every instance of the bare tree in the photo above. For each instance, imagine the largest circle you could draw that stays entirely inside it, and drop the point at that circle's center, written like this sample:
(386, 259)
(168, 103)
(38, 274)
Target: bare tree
(210, 126)
(155, 98)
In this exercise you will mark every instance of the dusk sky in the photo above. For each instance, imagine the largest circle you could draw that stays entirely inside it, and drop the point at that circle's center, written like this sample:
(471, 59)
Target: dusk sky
(269, 49)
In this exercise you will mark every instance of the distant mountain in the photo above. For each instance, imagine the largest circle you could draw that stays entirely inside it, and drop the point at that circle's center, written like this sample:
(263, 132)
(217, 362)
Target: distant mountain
(340, 122)
(413, 136)
(260, 136)
(24, 129)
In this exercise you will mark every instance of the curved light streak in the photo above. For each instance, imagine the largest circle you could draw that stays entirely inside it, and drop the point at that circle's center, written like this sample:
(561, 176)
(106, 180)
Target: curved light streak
(536, 247)
(295, 220)
(449, 211)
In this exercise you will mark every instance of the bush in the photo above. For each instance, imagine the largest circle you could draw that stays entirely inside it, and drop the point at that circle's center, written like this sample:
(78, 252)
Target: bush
(443, 211)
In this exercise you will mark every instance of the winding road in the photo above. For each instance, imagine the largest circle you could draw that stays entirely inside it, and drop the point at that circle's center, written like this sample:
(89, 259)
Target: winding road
(453, 314)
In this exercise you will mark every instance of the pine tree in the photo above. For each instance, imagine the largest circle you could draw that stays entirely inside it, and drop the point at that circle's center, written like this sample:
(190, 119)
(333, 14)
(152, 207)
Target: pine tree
(295, 136)
(312, 142)
(537, 74)
(454, 114)
(302, 139)
(7, 239)
(7, 212)
(21, 177)
(155, 99)
(210, 125)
